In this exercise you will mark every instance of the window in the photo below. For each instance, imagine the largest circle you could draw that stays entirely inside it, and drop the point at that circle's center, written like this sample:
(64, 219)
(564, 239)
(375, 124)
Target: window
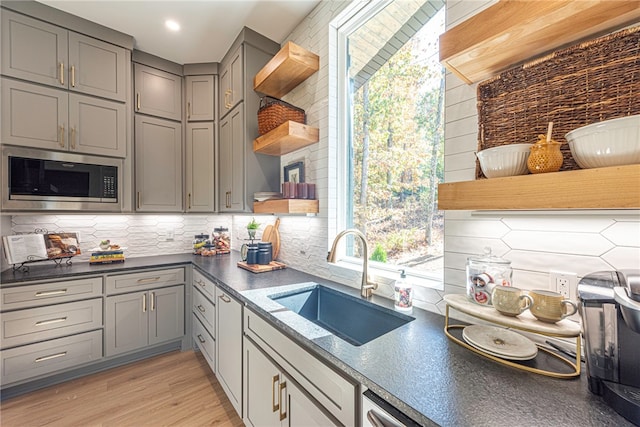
(391, 88)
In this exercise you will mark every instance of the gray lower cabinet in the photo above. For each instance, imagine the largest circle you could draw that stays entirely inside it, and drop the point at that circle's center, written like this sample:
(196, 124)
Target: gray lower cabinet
(158, 93)
(200, 167)
(47, 54)
(229, 347)
(158, 161)
(41, 117)
(140, 319)
(200, 98)
(273, 398)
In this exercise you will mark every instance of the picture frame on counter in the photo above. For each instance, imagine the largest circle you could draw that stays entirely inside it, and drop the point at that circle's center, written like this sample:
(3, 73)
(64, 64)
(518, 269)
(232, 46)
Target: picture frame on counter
(294, 172)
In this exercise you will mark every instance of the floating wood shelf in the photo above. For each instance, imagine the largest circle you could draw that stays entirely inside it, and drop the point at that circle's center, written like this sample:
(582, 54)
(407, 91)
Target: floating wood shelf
(615, 187)
(290, 206)
(511, 32)
(286, 70)
(289, 136)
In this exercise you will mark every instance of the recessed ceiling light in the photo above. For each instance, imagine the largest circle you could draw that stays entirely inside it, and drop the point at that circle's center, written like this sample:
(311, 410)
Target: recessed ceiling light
(172, 25)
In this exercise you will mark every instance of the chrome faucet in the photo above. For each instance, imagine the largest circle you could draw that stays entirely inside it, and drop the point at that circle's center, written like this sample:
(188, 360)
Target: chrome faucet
(366, 288)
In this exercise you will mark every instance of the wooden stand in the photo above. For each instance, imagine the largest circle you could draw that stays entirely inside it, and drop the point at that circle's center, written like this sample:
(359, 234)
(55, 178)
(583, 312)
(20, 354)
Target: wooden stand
(524, 322)
(258, 268)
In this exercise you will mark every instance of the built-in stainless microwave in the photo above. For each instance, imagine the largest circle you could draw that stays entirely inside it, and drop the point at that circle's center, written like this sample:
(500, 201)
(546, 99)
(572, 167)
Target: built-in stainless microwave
(46, 180)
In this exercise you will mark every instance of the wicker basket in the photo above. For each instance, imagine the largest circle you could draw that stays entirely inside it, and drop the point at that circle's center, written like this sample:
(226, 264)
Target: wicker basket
(273, 112)
(590, 82)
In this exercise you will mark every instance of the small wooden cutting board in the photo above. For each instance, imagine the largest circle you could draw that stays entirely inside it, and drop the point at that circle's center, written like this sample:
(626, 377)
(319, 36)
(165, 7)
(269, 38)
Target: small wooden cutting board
(272, 234)
(257, 268)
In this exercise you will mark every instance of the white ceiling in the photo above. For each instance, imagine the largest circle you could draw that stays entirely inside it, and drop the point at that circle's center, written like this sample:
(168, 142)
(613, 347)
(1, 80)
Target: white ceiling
(208, 27)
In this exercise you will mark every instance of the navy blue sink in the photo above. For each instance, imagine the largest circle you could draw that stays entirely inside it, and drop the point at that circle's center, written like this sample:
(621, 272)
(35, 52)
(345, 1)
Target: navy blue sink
(353, 319)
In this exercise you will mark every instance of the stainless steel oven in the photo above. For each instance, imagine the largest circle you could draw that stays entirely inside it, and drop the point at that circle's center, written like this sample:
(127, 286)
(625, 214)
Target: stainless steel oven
(46, 180)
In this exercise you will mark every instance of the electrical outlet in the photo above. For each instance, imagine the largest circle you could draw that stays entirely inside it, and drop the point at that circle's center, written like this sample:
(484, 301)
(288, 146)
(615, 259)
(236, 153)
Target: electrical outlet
(564, 283)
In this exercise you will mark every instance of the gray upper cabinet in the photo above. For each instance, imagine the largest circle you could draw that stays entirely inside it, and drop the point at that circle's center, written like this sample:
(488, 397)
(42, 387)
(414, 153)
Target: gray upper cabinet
(231, 81)
(44, 53)
(158, 93)
(97, 68)
(200, 98)
(42, 117)
(158, 161)
(34, 50)
(200, 172)
(232, 161)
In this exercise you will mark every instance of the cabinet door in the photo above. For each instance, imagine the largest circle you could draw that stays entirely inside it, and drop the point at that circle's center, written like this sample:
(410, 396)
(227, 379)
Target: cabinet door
(158, 151)
(232, 161)
(237, 78)
(33, 50)
(97, 126)
(34, 116)
(300, 409)
(262, 388)
(200, 173)
(200, 93)
(97, 68)
(229, 348)
(166, 314)
(224, 102)
(158, 93)
(126, 322)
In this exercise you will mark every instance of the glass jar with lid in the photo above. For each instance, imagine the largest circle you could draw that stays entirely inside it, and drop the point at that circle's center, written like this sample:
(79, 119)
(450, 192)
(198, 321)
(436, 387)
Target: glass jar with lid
(221, 239)
(484, 272)
(200, 242)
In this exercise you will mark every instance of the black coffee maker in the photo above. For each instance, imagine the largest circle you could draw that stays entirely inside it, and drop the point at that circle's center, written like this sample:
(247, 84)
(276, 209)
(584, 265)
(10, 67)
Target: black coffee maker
(610, 309)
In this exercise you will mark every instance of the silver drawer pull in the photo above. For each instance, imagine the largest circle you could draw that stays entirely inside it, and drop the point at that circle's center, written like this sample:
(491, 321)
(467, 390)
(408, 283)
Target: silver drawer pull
(201, 283)
(49, 293)
(149, 279)
(202, 340)
(51, 356)
(201, 308)
(224, 298)
(50, 321)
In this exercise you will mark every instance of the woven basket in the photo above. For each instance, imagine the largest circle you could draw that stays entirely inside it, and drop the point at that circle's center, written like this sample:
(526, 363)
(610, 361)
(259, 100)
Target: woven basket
(587, 83)
(273, 112)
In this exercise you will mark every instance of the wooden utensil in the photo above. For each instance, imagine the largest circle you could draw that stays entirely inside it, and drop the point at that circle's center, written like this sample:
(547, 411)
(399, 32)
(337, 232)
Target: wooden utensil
(272, 234)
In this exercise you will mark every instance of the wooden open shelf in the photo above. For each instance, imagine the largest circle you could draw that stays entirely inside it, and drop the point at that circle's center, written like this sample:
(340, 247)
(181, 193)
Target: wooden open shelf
(290, 206)
(511, 32)
(287, 137)
(286, 70)
(616, 187)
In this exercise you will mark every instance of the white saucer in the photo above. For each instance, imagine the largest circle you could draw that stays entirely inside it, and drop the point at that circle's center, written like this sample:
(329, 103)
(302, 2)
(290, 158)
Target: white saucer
(500, 342)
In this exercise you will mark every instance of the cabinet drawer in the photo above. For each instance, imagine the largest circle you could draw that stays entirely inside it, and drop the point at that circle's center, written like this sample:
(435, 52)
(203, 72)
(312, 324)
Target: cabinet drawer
(46, 357)
(337, 394)
(205, 342)
(37, 324)
(205, 311)
(203, 284)
(50, 293)
(144, 280)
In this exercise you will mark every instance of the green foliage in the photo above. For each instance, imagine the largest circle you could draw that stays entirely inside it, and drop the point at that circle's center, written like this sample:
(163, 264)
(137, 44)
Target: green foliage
(253, 225)
(379, 254)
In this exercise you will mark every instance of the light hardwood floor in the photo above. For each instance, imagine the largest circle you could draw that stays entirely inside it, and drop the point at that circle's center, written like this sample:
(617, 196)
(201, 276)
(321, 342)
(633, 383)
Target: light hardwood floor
(176, 389)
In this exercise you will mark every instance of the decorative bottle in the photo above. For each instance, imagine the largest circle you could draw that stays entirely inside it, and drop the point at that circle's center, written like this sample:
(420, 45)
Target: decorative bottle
(403, 293)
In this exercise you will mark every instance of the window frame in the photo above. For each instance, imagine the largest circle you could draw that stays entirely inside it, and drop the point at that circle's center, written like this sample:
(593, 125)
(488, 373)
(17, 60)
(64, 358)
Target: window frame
(340, 29)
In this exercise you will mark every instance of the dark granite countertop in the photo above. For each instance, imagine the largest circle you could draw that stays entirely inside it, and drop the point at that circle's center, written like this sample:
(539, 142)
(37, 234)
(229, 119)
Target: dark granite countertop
(416, 368)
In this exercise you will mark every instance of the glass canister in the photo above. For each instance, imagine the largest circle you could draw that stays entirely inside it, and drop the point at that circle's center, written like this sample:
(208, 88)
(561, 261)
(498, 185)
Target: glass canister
(484, 272)
(545, 156)
(221, 239)
(200, 242)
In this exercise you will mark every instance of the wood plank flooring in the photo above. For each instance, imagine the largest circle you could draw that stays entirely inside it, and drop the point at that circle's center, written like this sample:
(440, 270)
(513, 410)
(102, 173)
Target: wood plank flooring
(175, 389)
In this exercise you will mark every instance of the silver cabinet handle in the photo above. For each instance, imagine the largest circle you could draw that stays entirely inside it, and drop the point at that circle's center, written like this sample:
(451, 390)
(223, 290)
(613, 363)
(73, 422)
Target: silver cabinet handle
(73, 76)
(50, 321)
(50, 293)
(188, 110)
(138, 200)
(189, 197)
(138, 101)
(148, 279)
(201, 308)
(202, 340)
(62, 73)
(152, 297)
(225, 298)
(52, 356)
(144, 303)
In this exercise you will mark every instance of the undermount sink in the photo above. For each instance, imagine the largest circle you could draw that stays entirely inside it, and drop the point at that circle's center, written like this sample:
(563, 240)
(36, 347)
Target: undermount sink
(353, 319)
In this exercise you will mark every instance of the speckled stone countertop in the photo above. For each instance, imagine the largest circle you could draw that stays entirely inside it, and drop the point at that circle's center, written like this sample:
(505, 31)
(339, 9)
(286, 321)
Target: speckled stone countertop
(416, 368)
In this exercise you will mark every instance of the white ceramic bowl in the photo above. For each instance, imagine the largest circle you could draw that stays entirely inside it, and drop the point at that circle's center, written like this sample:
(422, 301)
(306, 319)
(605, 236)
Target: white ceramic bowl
(613, 142)
(505, 160)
